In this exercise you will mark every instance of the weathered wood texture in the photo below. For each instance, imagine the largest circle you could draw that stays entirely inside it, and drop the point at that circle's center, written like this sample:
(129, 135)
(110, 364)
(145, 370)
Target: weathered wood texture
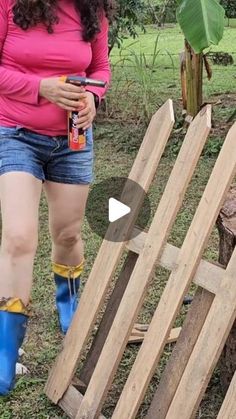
(135, 292)
(108, 317)
(71, 401)
(226, 224)
(228, 408)
(207, 349)
(139, 331)
(208, 275)
(108, 257)
(180, 356)
(209, 319)
(175, 290)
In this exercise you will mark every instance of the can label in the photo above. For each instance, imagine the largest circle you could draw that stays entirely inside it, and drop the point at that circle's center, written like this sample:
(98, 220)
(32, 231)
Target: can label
(77, 138)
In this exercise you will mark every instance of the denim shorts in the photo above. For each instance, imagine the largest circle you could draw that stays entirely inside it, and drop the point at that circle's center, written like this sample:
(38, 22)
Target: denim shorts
(45, 157)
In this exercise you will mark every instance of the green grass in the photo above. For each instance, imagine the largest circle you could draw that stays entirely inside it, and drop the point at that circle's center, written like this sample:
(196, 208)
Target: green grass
(118, 135)
(230, 23)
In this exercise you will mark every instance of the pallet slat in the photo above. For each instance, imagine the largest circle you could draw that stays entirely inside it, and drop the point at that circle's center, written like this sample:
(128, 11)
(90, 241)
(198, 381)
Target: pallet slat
(108, 317)
(176, 365)
(177, 285)
(135, 291)
(228, 408)
(137, 337)
(209, 318)
(142, 172)
(208, 275)
(71, 402)
(209, 344)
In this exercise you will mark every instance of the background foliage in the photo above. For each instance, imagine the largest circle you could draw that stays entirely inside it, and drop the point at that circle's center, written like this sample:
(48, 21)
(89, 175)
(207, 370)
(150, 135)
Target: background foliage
(230, 8)
(128, 17)
(135, 14)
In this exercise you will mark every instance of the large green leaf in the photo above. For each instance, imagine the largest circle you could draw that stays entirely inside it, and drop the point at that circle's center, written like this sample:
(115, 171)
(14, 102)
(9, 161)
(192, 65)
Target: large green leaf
(202, 22)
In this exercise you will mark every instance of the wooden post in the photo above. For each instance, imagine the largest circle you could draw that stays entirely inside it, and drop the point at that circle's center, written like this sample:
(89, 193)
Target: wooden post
(226, 224)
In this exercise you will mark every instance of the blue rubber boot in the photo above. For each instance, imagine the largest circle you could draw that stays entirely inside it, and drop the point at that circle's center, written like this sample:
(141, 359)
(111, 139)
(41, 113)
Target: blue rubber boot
(12, 333)
(67, 292)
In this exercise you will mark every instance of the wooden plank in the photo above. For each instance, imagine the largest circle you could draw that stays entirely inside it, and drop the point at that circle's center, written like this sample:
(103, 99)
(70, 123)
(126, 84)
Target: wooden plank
(208, 275)
(178, 284)
(143, 270)
(92, 298)
(175, 367)
(136, 244)
(106, 322)
(79, 385)
(228, 408)
(142, 327)
(226, 224)
(137, 337)
(208, 347)
(71, 402)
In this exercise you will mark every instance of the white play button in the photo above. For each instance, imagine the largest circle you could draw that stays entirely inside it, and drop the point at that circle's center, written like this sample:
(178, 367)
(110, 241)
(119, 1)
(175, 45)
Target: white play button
(109, 209)
(117, 210)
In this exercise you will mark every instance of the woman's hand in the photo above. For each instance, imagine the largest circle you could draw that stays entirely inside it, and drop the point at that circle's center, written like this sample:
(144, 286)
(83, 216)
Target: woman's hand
(87, 112)
(71, 98)
(66, 95)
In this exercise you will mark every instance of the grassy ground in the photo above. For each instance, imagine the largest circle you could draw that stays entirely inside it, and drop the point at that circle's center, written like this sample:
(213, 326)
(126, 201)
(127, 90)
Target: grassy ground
(117, 138)
(151, 65)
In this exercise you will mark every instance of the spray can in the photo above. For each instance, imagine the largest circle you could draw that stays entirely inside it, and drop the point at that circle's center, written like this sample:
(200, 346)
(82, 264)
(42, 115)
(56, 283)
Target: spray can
(76, 136)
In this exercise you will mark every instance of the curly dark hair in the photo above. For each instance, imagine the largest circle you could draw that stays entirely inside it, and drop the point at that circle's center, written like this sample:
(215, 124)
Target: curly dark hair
(28, 13)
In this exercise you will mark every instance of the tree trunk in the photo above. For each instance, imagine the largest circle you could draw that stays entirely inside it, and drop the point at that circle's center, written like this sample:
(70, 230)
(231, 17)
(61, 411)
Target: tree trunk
(194, 80)
(226, 224)
(183, 79)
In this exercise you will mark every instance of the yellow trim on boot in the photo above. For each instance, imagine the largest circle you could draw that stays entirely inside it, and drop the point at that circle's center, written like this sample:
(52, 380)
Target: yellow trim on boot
(13, 305)
(68, 271)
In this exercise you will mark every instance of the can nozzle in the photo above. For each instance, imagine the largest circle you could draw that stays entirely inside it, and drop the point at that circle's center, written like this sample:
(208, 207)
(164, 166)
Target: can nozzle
(83, 81)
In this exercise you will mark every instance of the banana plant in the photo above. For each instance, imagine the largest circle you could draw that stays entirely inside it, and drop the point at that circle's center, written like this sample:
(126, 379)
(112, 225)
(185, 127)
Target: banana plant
(202, 22)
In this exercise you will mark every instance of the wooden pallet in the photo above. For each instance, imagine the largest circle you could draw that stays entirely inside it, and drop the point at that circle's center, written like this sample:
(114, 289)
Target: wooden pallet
(209, 318)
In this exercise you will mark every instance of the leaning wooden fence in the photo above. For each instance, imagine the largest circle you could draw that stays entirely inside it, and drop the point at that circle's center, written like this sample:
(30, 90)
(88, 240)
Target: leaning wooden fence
(209, 318)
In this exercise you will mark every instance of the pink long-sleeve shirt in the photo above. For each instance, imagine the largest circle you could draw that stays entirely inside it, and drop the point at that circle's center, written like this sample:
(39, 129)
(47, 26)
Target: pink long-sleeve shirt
(26, 57)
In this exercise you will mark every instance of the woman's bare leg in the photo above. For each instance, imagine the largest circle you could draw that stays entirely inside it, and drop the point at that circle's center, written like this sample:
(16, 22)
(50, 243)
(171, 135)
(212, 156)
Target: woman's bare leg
(66, 211)
(20, 195)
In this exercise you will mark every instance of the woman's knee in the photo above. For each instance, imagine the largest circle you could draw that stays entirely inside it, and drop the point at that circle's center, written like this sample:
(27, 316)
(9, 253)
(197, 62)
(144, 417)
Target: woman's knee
(19, 242)
(67, 237)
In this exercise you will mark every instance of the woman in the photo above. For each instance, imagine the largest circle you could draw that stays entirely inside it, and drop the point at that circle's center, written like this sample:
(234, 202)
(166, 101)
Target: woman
(40, 41)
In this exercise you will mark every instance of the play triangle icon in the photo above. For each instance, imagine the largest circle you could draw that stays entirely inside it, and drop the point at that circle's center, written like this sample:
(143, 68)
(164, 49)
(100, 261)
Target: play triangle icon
(117, 210)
